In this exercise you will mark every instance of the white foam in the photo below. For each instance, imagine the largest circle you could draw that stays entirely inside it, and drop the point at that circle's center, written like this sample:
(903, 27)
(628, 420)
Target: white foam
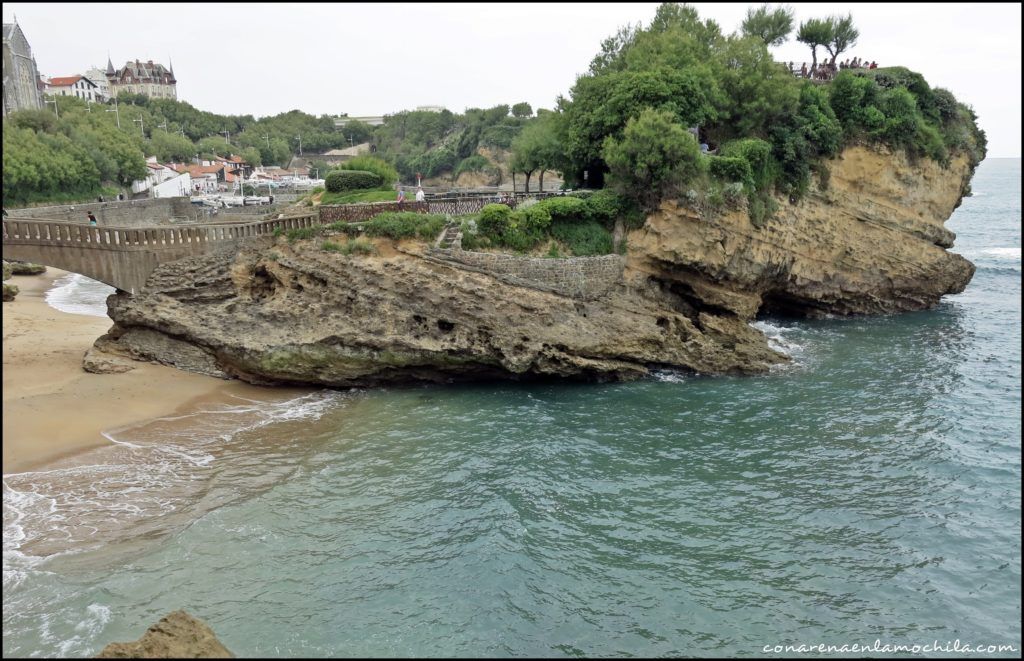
(777, 340)
(1002, 253)
(668, 376)
(77, 294)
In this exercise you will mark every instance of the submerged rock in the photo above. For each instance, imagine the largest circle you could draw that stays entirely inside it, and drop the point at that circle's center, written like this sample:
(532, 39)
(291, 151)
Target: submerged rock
(177, 635)
(25, 268)
(873, 241)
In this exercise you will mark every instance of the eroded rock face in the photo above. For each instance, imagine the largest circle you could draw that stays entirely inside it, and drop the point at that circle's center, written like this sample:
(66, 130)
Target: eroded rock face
(872, 242)
(176, 636)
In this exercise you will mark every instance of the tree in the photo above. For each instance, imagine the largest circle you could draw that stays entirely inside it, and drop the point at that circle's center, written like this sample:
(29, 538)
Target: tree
(538, 147)
(171, 147)
(843, 37)
(612, 49)
(772, 26)
(655, 157)
(523, 109)
(815, 32)
(252, 156)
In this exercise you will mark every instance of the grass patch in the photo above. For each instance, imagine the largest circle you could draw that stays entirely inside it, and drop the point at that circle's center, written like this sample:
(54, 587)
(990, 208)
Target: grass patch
(404, 225)
(356, 197)
(583, 239)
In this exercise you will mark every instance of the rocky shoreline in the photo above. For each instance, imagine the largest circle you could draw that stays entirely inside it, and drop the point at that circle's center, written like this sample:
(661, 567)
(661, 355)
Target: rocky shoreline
(871, 241)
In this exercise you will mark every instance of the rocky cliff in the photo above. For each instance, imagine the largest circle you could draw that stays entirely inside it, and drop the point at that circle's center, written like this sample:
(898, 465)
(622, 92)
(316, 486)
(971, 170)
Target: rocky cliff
(177, 635)
(872, 241)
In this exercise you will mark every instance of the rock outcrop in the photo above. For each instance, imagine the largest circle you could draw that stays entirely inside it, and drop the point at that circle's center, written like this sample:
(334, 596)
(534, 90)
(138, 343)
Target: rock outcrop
(177, 635)
(873, 241)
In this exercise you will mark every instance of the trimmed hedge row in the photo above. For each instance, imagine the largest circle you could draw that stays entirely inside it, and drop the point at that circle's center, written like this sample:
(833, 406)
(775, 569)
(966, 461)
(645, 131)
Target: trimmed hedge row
(340, 181)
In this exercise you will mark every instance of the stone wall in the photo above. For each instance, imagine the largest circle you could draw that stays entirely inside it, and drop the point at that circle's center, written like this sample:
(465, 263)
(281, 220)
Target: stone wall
(579, 277)
(128, 213)
(351, 213)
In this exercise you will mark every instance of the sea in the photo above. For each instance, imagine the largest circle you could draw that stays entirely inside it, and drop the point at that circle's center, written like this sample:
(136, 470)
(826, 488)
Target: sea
(868, 493)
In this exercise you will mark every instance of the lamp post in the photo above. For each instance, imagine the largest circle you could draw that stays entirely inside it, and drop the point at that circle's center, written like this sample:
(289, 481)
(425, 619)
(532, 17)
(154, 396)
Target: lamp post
(54, 102)
(142, 126)
(227, 136)
(299, 138)
(116, 113)
(163, 126)
(266, 136)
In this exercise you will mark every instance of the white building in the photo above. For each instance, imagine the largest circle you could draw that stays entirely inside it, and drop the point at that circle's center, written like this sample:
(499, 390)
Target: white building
(99, 77)
(157, 175)
(79, 86)
(179, 186)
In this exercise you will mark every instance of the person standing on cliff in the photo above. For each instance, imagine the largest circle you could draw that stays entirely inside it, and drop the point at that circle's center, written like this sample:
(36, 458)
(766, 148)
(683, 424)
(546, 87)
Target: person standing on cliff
(401, 196)
(420, 195)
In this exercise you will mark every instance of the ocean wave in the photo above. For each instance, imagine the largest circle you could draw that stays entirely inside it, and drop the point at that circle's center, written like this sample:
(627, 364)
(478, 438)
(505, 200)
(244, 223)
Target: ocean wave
(777, 338)
(1002, 253)
(668, 376)
(77, 294)
(152, 479)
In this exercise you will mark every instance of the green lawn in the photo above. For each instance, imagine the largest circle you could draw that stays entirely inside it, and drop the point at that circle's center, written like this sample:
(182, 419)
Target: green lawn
(354, 197)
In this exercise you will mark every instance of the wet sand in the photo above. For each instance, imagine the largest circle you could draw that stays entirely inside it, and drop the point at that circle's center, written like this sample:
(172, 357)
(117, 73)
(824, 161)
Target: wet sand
(52, 407)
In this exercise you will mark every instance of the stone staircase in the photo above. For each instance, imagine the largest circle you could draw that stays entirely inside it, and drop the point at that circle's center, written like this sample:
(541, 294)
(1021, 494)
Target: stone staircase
(449, 236)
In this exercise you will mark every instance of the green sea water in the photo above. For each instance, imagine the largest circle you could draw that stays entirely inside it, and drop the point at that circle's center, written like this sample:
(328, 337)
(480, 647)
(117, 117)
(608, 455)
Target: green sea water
(869, 491)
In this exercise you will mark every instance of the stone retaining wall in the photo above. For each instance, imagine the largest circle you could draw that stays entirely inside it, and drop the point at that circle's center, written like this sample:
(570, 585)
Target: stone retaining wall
(127, 213)
(351, 213)
(579, 277)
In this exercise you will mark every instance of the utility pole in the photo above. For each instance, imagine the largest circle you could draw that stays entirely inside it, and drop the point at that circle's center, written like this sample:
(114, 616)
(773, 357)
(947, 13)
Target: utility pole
(300, 144)
(142, 127)
(350, 141)
(163, 126)
(54, 102)
(181, 132)
(227, 136)
(266, 136)
(116, 113)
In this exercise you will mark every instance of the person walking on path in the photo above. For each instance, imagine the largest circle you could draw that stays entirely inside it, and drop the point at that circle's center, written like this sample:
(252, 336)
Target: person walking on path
(92, 218)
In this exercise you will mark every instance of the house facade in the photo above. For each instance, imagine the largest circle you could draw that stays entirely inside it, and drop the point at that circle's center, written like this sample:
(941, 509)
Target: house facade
(79, 86)
(146, 78)
(21, 76)
(99, 77)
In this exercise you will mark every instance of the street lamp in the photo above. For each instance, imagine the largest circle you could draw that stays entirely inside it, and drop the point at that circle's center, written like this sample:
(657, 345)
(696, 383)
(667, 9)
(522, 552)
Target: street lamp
(299, 137)
(116, 113)
(54, 102)
(227, 136)
(142, 127)
(163, 126)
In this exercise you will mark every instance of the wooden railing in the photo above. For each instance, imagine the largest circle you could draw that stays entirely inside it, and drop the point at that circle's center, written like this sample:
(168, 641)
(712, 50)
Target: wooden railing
(49, 232)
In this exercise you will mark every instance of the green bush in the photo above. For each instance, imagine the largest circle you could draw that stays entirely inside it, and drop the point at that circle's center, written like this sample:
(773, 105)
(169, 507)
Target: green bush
(758, 154)
(902, 121)
(404, 225)
(564, 208)
(583, 239)
(731, 168)
(532, 219)
(330, 246)
(495, 219)
(339, 181)
(302, 234)
(388, 175)
(474, 163)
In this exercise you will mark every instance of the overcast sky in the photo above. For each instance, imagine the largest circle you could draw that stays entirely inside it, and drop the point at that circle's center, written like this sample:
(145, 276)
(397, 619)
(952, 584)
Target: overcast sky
(373, 59)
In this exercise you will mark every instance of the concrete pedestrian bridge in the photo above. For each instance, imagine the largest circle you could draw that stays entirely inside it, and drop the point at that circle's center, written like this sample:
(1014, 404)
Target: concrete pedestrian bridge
(124, 257)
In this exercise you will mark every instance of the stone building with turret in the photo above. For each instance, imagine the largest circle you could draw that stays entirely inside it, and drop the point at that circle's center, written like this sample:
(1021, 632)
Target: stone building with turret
(147, 78)
(21, 76)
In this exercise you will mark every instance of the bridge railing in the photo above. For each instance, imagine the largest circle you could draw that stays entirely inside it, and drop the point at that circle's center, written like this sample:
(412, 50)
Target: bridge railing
(49, 232)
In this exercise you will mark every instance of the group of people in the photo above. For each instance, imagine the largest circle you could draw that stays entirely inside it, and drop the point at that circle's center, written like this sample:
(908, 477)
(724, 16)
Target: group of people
(828, 69)
(420, 195)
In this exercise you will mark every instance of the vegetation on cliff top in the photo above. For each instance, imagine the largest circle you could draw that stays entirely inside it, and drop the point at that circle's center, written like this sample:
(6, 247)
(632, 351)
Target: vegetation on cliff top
(629, 117)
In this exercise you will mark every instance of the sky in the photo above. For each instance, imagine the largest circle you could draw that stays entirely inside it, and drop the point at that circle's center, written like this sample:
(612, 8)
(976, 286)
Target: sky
(373, 59)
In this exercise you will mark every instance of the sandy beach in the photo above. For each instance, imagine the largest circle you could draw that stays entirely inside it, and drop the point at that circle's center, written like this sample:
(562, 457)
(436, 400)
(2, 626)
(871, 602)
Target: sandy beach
(51, 406)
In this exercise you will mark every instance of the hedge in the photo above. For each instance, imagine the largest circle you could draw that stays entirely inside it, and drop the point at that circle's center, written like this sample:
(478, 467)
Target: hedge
(339, 181)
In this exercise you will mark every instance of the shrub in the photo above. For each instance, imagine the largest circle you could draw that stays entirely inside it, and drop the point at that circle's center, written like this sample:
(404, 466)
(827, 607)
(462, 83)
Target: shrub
(733, 193)
(902, 121)
(388, 175)
(655, 157)
(564, 208)
(604, 206)
(405, 225)
(495, 219)
(339, 181)
(330, 246)
(758, 154)
(532, 219)
(358, 246)
(302, 233)
(584, 239)
(731, 168)
(475, 163)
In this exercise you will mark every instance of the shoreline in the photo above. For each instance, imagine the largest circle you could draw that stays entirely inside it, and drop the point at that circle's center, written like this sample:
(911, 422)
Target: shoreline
(52, 407)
